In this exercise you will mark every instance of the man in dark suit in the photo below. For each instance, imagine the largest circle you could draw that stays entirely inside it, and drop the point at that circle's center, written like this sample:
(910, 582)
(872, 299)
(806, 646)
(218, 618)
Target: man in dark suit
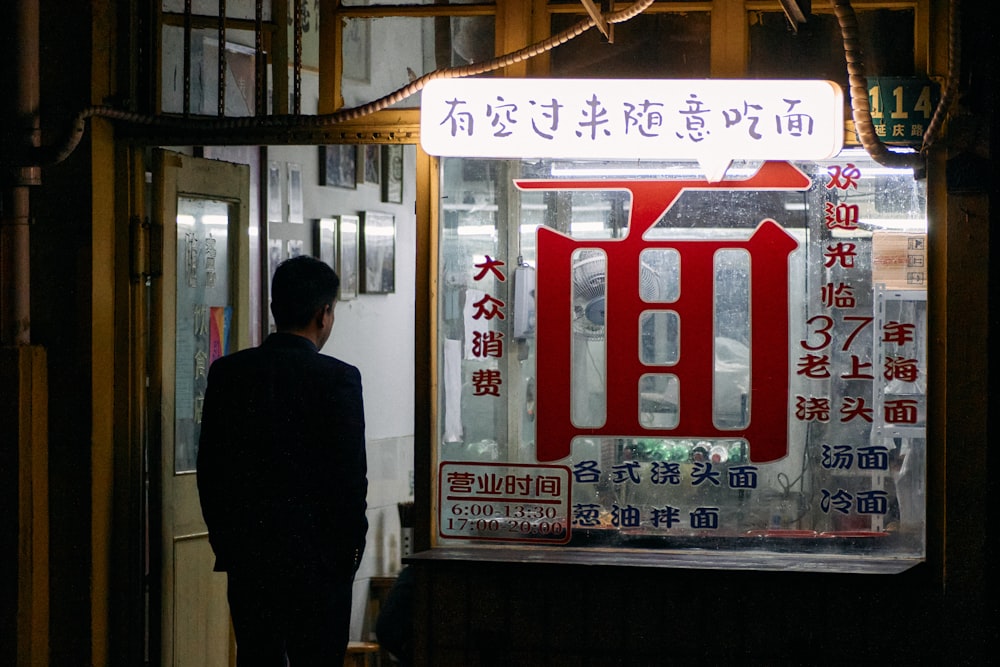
(282, 476)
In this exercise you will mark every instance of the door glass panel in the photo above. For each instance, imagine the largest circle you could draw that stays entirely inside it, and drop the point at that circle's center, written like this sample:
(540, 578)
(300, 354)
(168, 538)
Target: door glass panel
(203, 316)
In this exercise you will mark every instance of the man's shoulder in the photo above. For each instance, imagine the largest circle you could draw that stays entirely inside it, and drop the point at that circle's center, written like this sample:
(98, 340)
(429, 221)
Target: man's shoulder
(238, 358)
(333, 364)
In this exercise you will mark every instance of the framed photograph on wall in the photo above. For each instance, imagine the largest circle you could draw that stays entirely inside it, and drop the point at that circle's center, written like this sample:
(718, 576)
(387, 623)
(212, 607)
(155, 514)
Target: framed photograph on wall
(378, 253)
(348, 228)
(295, 193)
(325, 241)
(392, 173)
(338, 165)
(372, 171)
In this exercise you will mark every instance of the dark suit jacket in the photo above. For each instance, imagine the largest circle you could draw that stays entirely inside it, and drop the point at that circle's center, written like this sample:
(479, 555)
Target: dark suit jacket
(282, 472)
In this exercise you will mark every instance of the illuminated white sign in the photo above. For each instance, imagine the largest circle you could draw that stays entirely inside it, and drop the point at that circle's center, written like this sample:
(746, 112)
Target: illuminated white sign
(711, 121)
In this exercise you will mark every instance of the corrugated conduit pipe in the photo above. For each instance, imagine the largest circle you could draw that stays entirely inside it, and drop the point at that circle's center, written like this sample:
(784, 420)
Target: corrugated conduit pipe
(847, 19)
(860, 108)
(58, 154)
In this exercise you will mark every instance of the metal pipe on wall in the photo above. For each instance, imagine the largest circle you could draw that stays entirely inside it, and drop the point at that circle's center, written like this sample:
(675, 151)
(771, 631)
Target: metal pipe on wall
(23, 137)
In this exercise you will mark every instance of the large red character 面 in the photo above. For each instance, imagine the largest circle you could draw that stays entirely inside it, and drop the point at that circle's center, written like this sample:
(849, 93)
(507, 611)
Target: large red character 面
(768, 248)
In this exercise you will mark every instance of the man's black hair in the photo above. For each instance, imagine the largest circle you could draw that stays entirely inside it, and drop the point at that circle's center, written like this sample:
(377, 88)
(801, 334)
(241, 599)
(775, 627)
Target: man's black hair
(301, 286)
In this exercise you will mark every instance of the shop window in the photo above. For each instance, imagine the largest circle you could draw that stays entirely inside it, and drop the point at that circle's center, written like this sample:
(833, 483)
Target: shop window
(674, 45)
(816, 50)
(383, 55)
(202, 95)
(843, 265)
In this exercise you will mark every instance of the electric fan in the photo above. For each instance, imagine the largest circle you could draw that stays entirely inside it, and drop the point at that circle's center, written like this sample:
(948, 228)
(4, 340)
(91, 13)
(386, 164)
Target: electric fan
(590, 288)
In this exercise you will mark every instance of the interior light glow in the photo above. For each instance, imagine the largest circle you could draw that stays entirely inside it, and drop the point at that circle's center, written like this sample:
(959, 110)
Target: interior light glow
(475, 230)
(587, 227)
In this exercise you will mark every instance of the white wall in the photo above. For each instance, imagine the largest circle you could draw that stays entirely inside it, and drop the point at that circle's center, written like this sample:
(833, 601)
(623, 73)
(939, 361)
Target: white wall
(375, 333)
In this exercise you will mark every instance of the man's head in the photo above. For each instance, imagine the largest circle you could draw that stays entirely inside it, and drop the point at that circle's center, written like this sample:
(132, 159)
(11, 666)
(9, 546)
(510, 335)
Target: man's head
(303, 291)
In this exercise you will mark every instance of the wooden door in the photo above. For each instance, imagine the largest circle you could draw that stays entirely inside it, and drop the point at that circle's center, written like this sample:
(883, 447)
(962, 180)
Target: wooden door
(200, 311)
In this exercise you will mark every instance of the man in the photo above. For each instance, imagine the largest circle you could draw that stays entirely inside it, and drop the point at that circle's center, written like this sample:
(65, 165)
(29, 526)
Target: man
(282, 476)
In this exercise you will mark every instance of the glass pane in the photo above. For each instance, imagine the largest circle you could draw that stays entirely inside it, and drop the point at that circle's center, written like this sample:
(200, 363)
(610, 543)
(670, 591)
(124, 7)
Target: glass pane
(364, 3)
(473, 313)
(731, 383)
(658, 401)
(587, 382)
(802, 312)
(660, 275)
(816, 51)
(235, 9)
(406, 49)
(672, 45)
(204, 72)
(203, 317)
(659, 342)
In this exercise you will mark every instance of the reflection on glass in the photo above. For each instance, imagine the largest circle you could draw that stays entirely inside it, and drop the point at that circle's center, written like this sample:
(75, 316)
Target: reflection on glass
(407, 49)
(662, 268)
(203, 315)
(658, 400)
(235, 9)
(885, 36)
(659, 337)
(673, 45)
(663, 485)
(732, 339)
(587, 380)
(204, 73)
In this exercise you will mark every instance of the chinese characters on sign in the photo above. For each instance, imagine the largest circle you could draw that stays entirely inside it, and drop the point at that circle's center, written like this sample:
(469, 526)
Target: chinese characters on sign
(714, 356)
(204, 315)
(713, 121)
(504, 502)
(486, 342)
(768, 248)
(902, 108)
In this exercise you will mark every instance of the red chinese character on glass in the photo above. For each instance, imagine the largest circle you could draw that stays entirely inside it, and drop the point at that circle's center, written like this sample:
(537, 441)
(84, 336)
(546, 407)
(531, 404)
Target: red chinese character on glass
(693, 372)
(841, 216)
(843, 178)
(815, 366)
(900, 368)
(490, 265)
(860, 370)
(488, 307)
(901, 411)
(898, 333)
(812, 408)
(838, 295)
(842, 253)
(486, 382)
(854, 407)
(487, 344)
